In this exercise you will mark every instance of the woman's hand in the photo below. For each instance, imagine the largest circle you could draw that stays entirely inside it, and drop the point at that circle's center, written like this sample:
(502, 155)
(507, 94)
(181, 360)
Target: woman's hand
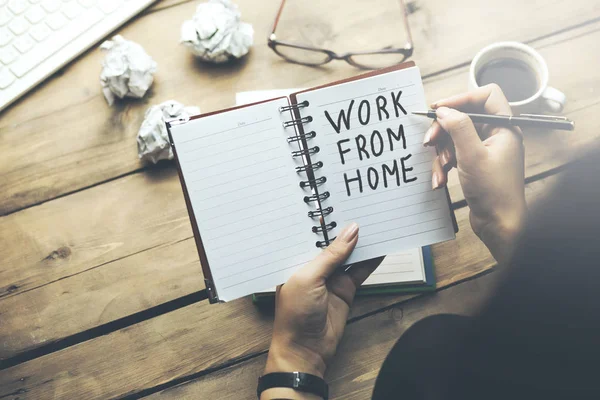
(311, 312)
(490, 162)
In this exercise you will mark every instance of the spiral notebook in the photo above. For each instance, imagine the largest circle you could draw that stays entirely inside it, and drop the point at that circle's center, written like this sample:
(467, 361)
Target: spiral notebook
(270, 184)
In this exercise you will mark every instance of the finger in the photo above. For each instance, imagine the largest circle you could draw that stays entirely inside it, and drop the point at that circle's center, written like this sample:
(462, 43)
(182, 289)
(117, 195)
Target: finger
(439, 177)
(447, 155)
(361, 271)
(487, 99)
(335, 254)
(434, 134)
(459, 126)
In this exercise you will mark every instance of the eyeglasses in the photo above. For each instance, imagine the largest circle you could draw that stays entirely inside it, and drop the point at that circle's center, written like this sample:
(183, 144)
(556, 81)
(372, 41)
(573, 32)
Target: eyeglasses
(313, 56)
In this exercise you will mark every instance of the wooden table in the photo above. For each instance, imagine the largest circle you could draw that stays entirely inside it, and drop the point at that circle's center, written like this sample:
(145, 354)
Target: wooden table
(99, 277)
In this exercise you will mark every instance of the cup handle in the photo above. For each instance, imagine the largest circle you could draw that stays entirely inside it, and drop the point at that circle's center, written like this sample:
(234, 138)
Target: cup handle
(553, 99)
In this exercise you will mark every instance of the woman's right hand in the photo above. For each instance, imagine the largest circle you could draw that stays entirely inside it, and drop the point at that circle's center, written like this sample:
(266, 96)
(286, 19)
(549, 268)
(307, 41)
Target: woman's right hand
(490, 163)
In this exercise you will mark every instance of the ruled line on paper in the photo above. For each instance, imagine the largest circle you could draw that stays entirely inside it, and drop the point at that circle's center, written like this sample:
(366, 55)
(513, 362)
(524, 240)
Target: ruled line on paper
(237, 169)
(254, 216)
(229, 254)
(393, 209)
(236, 159)
(225, 130)
(223, 183)
(237, 189)
(389, 200)
(270, 273)
(227, 266)
(241, 209)
(400, 237)
(263, 265)
(392, 273)
(397, 227)
(403, 217)
(245, 198)
(293, 233)
(233, 139)
(368, 94)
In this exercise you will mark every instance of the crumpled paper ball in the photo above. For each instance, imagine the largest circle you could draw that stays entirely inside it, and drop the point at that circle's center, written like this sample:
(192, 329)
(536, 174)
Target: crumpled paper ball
(127, 70)
(216, 34)
(153, 139)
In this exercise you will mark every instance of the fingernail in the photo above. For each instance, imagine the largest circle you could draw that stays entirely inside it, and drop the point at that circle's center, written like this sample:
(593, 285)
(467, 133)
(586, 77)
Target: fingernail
(434, 182)
(349, 233)
(427, 138)
(433, 105)
(442, 112)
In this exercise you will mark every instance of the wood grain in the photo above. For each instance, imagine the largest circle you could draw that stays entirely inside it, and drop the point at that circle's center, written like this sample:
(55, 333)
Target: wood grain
(62, 137)
(83, 250)
(200, 336)
(364, 346)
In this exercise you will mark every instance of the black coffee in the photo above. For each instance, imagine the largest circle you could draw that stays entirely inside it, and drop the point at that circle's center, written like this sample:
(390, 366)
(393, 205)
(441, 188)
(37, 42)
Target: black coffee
(517, 80)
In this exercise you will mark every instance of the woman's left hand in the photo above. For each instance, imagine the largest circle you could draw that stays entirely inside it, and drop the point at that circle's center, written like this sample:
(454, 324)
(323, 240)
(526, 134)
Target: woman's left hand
(313, 306)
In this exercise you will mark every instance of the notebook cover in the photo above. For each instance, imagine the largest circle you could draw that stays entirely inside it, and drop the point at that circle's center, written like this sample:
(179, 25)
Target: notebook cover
(398, 288)
(213, 296)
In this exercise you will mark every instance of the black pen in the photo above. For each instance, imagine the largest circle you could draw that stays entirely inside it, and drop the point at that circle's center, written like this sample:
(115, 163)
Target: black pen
(523, 120)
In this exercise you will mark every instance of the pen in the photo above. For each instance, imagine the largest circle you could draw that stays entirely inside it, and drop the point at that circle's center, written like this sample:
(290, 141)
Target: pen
(523, 120)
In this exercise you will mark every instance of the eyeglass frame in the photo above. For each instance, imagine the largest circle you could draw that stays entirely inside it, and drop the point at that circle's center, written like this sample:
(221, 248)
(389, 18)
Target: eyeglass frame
(407, 50)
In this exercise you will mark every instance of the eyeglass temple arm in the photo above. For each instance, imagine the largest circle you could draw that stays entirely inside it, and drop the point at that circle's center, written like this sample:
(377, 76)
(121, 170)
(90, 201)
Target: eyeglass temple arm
(277, 16)
(405, 20)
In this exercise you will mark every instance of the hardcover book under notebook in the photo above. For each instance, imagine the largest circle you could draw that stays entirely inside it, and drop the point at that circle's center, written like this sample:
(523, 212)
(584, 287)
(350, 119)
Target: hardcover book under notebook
(268, 185)
(389, 277)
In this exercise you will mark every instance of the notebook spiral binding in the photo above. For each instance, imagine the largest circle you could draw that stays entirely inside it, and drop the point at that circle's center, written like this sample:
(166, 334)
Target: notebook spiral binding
(309, 169)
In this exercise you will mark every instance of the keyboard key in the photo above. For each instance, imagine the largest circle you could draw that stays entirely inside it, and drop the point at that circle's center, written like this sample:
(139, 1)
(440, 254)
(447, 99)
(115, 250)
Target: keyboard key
(18, 25)
(17, 6)
(59, 39)
(56, 21)
(108, 6)
(71, 9)
(5, 36)
(5, 16)
(24, 43)
(6, 78)
(8, 54)
(51, 5)
(35, 14)
(87, 3)
(40, 31)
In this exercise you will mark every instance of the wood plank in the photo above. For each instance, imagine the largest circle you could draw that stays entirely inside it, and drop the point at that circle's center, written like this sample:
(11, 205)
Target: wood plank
(197, 337)
(88, 242)
(363, 349)
(62, 137)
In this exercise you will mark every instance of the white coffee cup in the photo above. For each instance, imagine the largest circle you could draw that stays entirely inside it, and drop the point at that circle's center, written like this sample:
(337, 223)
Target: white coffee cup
(545, 99)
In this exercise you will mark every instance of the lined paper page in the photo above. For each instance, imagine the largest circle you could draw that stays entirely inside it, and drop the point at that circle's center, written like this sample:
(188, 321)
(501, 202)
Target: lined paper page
(244, 192)
(378, 172)
(406, 266)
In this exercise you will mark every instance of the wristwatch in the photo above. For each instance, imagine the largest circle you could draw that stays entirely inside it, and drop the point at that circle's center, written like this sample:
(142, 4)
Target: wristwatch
(295, 380)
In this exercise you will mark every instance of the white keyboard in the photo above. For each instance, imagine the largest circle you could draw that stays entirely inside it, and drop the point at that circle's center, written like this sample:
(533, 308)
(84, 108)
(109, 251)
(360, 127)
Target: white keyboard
(37, 37)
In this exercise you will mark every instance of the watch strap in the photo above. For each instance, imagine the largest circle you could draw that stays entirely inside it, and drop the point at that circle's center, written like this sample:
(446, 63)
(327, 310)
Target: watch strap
(295, 380)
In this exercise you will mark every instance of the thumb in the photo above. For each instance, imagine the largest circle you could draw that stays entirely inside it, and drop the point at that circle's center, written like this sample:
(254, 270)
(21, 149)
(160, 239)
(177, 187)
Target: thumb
(335, 254)
(462, 131)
